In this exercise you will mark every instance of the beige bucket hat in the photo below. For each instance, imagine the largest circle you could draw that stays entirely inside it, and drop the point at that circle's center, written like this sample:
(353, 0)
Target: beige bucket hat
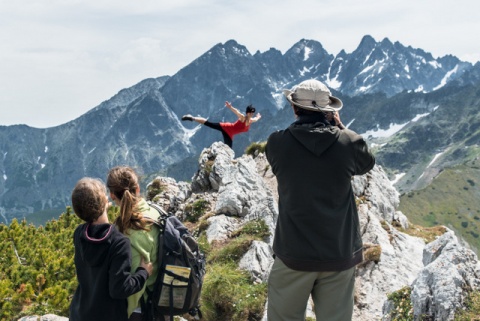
(313, 95)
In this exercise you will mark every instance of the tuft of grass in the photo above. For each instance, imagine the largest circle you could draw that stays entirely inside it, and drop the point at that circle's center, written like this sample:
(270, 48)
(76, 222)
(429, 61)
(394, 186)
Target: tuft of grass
(403, 309)
(372, 253)
(228, 294)
(471, 310)
(428, 234)
(154, 188)
(257, 228)
(196, 209)
(232, 251)
(255, 148)
(208, 167)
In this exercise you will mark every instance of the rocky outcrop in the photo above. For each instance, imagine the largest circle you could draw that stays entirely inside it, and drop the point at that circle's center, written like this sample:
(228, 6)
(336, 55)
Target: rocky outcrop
(449, 270)
(244, 188)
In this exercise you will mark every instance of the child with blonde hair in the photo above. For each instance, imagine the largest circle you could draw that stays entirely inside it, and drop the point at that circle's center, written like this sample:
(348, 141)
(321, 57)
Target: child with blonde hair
(135, 221)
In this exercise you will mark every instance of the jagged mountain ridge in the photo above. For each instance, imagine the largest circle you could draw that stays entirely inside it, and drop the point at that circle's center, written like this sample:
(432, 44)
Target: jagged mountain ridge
(140, 125)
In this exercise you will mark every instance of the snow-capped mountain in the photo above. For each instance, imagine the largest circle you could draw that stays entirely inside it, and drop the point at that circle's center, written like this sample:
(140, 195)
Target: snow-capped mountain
(382, 84)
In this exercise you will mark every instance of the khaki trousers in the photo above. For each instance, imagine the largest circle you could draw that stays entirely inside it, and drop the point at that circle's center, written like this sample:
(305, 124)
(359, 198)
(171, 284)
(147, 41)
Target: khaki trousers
(289, 291)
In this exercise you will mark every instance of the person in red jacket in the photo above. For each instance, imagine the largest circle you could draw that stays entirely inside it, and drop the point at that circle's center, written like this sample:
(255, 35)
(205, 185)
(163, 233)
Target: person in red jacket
(230, 129)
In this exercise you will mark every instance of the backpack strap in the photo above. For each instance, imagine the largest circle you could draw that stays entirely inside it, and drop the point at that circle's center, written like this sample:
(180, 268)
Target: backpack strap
(159, 209)
(148, 306)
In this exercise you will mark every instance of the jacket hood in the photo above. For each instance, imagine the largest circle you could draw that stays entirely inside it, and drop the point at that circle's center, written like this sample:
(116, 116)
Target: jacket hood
(316, 137)
(95, 241)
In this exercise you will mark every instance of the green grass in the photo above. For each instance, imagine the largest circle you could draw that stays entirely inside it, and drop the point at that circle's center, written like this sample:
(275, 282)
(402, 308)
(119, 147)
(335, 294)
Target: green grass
(471, 310)
(403, 309)
(196, 209)
(255, 148)
(452, 199)
(229, 293)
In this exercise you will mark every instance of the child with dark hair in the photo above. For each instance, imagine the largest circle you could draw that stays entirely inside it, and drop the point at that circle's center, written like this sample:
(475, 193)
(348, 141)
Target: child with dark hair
(228, 130)
(102, 259)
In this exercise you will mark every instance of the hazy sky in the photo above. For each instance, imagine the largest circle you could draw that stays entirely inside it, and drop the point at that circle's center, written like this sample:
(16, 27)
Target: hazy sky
(59, 59)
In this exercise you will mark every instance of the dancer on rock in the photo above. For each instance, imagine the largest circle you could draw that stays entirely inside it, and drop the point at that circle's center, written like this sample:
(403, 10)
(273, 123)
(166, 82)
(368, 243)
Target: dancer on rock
(230, 129)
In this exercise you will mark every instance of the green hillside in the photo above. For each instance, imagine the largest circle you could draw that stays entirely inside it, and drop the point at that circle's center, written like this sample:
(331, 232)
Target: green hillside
(452, 199)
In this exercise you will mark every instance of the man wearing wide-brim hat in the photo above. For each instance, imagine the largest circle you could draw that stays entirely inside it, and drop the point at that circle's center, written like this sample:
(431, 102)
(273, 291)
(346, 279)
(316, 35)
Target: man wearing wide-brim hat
(317, 241)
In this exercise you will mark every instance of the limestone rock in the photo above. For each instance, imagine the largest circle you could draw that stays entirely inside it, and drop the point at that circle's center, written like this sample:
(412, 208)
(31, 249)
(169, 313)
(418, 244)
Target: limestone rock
(258, 261)
(440, 287)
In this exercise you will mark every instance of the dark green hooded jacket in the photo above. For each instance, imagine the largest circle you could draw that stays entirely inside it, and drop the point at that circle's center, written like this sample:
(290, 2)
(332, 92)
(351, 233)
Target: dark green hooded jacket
(318, 226)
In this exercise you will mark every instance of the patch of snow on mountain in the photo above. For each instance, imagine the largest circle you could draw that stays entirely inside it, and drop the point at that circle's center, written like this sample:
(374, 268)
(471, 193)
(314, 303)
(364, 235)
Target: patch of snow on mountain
(334, 83)
(419, 116)
(364, 88)
(367, 69)
(4, 177)
(381, 133)
(373, 145)
(419, 59)
(304, 71)
(307, 53)
(418, 179)
(397, 178)
(444, 80)
(41, 164)
(188, 133)
(279, 101)
(351, 122)
(46, 149)
(241, 51)
(435, 158)
(368, 57)
(420, 89)
(435, 64)
(407, 69)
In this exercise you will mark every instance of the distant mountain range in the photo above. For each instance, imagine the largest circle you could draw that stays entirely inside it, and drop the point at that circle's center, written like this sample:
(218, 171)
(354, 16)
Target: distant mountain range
(419, 113)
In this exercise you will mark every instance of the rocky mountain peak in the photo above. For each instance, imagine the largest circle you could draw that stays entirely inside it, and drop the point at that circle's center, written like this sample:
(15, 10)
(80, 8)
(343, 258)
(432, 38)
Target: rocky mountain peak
(366, 44)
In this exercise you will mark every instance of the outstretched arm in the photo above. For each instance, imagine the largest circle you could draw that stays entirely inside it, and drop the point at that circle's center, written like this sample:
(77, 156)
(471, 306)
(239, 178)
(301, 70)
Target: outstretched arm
(256, 118)
(235, 111)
